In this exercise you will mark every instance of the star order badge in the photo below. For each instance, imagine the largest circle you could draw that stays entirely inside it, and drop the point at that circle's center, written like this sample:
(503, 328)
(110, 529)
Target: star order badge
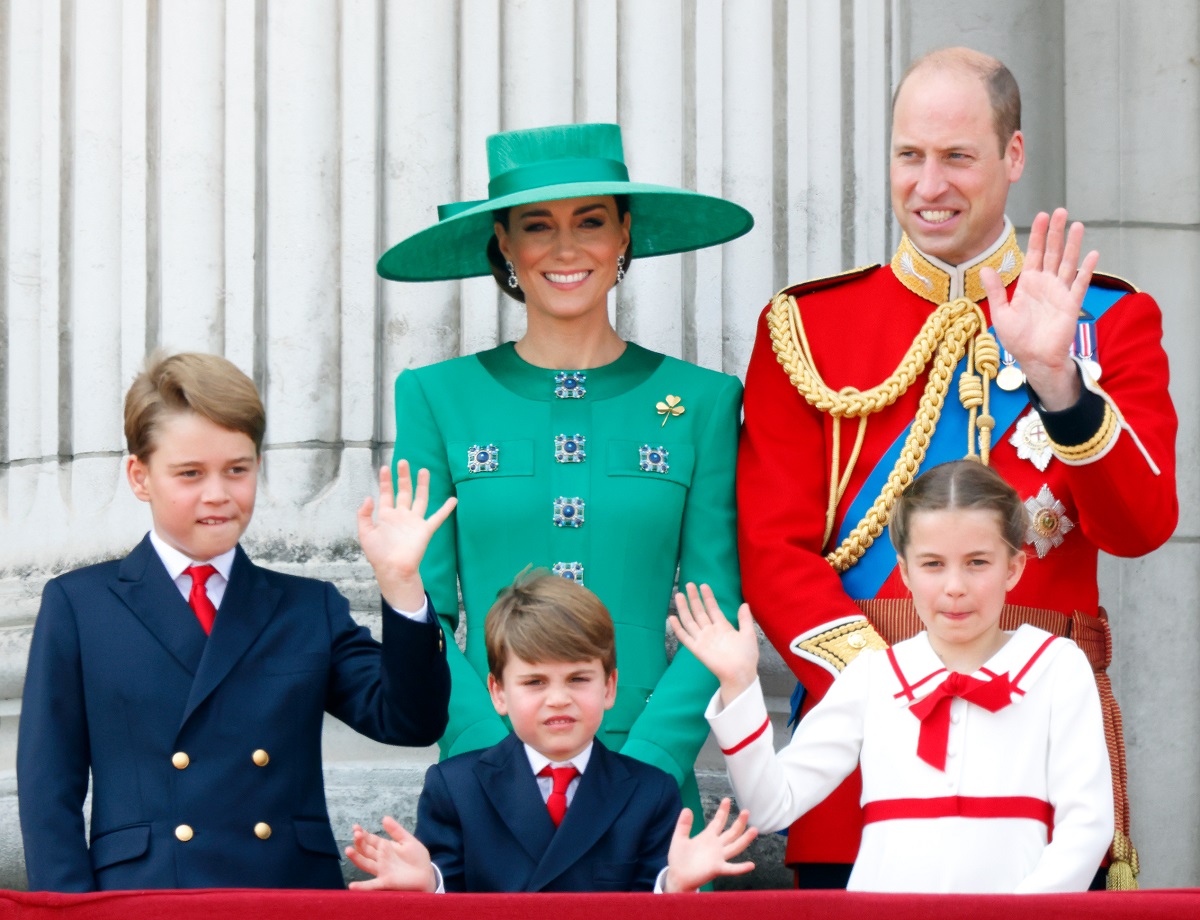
(1048, 522)
(1031, 441)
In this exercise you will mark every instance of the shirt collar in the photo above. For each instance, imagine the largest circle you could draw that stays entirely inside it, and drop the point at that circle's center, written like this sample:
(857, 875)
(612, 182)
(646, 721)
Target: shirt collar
(539, 761)
(175, 561)
(938, 282)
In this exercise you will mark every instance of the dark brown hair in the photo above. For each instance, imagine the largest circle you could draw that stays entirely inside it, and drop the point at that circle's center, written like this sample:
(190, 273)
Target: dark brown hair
(960, 484)
(1003, 93)
(541, 617)
(497, 261)
(207, 385)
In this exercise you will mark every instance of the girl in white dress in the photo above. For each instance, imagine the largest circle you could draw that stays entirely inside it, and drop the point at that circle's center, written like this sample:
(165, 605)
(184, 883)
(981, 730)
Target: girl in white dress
(984, 762)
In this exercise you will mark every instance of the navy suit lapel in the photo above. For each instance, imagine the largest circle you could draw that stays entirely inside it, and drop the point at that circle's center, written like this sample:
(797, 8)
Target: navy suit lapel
(604, 791)
(508, 782)
(248, 604)
(144, 586)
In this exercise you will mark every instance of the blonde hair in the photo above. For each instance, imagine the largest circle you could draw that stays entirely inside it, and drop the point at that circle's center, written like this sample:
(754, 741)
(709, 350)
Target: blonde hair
(541, 617)
(207, 385)
(960, 484)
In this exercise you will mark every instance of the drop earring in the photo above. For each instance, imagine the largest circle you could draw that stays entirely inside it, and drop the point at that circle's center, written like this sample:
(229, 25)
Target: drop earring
(620, 268)
(512, 275)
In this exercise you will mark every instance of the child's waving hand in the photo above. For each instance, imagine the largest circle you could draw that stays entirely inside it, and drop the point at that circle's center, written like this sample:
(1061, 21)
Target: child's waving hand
(731, 654)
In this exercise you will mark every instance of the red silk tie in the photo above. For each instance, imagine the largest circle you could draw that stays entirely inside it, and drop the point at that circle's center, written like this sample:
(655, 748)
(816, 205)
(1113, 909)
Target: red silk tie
(556, 804)
(202, 605)
(934, 710)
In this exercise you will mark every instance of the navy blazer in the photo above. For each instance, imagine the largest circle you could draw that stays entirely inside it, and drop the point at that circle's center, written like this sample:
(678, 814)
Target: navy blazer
(205, 752)
(483, 819)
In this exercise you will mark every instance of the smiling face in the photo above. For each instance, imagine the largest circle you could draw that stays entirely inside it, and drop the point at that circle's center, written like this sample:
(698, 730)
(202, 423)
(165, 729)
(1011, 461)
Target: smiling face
(200, 481)
(950, 173)
(959, 570)
(555, 706)
(564, 254)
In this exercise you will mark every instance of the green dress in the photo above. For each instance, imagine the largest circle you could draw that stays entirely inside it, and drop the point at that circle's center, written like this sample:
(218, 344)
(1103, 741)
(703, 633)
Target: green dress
(579, 471)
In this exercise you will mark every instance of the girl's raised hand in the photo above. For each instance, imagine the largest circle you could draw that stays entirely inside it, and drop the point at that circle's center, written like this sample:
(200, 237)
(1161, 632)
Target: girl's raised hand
(731, 654)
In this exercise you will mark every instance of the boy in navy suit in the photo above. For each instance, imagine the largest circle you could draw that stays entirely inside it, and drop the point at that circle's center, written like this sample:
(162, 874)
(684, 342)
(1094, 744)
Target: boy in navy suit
(201, 727)
(550, 808)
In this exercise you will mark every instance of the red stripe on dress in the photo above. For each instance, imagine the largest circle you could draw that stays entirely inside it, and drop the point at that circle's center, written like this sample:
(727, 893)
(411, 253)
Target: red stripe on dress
(961, 806)
(1029, 663)
(905, 689)
(741, 744)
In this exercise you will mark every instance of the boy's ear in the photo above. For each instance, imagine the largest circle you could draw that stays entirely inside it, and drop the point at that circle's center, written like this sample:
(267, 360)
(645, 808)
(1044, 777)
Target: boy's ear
(610, 689)
(903, 566)
(138, 473)
(496, 690)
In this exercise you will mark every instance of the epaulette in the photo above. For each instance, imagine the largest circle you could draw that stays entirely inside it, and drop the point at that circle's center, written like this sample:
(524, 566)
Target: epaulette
(1114, 282)
(820, 284)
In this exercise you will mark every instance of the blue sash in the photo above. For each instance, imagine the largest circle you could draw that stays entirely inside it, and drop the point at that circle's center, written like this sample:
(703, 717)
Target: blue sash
(948, 442)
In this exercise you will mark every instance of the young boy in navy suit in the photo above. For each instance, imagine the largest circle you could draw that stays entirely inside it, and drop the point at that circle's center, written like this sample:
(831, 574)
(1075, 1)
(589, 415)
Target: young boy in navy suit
(201, 727)
(505, 819)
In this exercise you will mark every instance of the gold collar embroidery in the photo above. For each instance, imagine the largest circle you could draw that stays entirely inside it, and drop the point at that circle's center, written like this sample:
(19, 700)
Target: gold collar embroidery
(934, 283)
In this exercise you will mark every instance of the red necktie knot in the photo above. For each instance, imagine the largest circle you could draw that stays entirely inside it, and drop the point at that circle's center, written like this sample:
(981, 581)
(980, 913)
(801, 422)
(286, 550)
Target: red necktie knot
(934, 710)
(199, 600)
(556, 804)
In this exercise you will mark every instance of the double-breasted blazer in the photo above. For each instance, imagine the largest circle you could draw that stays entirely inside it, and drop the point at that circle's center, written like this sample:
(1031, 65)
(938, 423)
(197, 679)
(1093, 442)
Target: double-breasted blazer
(204, 751)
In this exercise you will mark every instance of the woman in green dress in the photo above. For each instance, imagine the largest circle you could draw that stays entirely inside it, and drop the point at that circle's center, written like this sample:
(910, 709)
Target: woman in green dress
(572, 449)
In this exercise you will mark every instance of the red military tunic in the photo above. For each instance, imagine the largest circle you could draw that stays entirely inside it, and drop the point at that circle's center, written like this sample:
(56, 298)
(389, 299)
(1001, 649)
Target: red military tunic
(859, 327)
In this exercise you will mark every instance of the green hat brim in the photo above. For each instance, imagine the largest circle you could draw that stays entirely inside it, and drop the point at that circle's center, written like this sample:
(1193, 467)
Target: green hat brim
(663, 220)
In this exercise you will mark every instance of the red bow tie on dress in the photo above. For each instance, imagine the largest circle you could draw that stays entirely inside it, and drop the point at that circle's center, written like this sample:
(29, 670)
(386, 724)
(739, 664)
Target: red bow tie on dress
(934, 710)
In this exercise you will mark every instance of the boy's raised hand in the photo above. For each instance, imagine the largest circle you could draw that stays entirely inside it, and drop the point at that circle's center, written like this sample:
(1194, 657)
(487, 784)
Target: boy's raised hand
(731, 654)
(399, 864)
(394, 540)
(696, 861)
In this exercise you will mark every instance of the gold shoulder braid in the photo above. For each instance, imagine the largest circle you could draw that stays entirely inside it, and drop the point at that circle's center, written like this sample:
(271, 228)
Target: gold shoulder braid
(954, 329)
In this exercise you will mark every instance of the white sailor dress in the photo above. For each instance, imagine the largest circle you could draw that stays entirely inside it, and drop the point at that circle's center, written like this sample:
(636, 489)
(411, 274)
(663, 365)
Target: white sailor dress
(1023, 800)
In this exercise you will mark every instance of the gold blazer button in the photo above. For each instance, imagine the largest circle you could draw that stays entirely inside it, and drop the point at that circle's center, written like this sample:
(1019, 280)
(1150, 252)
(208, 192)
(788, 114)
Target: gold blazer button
(180, 760)
(184, 833)
(262, 830)
(261, 758)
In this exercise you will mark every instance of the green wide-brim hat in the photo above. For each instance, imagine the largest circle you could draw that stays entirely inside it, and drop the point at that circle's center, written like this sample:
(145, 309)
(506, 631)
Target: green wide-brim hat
(546, 164)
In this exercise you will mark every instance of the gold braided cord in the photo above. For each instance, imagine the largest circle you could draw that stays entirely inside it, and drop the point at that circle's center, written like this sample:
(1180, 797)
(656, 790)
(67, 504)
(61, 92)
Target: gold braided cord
(948, 333)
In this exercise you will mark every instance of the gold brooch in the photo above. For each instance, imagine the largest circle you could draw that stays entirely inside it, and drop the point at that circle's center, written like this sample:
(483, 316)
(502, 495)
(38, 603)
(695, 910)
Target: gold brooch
(670, 407)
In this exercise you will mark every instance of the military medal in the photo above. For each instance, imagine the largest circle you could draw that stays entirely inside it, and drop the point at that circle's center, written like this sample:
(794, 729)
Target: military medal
(1048, 522)
(1031, 441)
(1010, 377)
(1084, 348)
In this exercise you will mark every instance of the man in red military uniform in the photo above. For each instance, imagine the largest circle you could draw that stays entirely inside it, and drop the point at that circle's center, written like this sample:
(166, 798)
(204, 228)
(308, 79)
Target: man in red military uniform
(860, 381)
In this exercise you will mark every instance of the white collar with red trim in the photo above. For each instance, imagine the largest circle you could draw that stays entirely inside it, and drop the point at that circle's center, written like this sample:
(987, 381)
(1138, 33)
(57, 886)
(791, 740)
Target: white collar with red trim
(1024, 658)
